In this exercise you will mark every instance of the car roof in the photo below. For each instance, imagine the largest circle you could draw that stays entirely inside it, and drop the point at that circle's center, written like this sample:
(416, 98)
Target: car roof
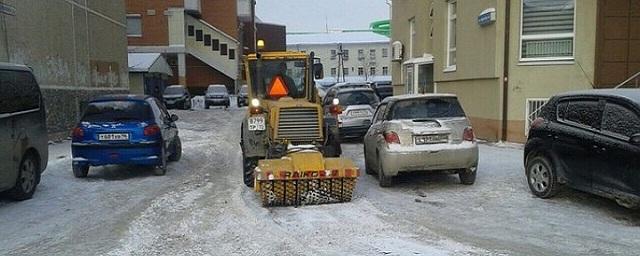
(418, 96)
(630, 94)
(119, 97)
(13, 66)
(362, 89)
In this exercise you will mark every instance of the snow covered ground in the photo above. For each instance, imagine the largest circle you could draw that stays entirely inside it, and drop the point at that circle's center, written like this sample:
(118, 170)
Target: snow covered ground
(201, 207)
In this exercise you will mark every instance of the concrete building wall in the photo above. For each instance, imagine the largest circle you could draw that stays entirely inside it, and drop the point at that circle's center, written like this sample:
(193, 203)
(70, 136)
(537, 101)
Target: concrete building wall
(77, 51)
(136, 82)
(323, 51)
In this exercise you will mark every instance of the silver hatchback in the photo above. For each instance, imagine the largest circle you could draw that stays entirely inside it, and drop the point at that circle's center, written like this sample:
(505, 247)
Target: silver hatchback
(428, 132)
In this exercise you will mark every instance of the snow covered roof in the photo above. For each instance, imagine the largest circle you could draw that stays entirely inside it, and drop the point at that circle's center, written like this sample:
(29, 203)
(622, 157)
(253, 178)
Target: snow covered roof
(148, 63)
(336, 37)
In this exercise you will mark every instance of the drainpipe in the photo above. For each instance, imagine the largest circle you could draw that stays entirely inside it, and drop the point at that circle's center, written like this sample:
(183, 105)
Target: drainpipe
(505, 70)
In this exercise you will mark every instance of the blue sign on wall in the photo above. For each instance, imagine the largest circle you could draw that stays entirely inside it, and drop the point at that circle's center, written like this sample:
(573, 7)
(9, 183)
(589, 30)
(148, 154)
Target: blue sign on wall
(487, 17)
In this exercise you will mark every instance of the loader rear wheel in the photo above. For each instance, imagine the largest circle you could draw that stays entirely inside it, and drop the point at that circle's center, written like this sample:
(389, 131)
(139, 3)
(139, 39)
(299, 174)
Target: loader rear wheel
(248, 165)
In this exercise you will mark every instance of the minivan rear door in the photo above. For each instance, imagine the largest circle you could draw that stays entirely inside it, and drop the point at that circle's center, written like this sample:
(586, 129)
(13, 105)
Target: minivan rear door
(619, 158)
(573, 137)
(7, 136)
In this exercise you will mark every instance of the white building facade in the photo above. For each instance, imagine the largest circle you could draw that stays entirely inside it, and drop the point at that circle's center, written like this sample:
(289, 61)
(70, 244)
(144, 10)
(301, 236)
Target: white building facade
(365, 56)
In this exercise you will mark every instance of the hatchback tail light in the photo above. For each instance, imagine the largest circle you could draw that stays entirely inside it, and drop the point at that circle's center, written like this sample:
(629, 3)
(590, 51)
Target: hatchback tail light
(537, 122)
(77, 133)
(391, 138)
(151, 130)
(468, 134)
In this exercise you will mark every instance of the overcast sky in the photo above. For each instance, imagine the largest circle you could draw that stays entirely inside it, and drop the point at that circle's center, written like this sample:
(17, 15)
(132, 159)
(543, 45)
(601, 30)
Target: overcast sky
(311, 15)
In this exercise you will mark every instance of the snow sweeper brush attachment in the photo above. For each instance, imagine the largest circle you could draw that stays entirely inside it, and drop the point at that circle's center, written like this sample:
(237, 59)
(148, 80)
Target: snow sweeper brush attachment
(305, 178)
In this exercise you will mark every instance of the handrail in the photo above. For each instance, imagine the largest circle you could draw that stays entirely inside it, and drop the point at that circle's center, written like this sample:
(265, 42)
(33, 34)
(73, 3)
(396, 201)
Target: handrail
(636, 76)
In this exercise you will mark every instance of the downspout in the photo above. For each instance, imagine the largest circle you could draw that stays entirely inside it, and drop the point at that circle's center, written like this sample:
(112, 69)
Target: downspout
(505, 70)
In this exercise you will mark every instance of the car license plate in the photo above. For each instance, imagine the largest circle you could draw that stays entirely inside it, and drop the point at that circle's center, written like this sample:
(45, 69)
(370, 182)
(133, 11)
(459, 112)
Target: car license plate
(431, 139)
(113, 136)
(256, 123)
(358, 113)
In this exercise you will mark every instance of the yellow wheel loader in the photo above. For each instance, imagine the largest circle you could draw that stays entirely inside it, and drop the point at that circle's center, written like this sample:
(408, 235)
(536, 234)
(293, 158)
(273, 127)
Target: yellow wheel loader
(290, 150)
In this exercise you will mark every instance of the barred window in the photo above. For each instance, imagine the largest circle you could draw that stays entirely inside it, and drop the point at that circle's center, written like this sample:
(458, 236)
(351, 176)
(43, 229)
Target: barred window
(547, 30)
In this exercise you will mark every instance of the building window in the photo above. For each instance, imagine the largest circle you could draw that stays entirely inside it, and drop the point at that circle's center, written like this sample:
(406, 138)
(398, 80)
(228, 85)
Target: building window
(333, 54)
(345, 71)
(207, 40)
(345, 54)
(215, 44)
(385, 52)
(223, 49)
(547, 30)
(191, 30)
(451, 40)
(372, 71)
(360, 54)
(412, 34)
(334, 72)
(385, 71)
(199, 35)
(232, 54)
(134, 25)
(361, 71)
(372, 53)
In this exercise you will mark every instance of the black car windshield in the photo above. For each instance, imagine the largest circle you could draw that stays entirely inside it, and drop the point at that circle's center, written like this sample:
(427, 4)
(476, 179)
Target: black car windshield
(427, 108)
(357, 98)
(292, 73)
(173, 90)
(217, 89)
(117, 111)
(244, 89)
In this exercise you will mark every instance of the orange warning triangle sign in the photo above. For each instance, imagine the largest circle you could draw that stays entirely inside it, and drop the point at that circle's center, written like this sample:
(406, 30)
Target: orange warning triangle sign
(277, 88)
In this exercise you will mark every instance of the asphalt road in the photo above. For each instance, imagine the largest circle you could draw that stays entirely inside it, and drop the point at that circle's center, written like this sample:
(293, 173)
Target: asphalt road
(201, 208)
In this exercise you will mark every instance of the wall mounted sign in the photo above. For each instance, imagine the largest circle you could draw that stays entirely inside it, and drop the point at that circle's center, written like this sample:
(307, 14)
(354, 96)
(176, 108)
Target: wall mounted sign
(487, 17)
(7, 9)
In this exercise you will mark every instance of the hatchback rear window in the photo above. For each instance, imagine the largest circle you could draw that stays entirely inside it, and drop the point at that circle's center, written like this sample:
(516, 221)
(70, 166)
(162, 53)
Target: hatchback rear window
(117, 111)
(174, 90)
(427, 108)
(357, 98)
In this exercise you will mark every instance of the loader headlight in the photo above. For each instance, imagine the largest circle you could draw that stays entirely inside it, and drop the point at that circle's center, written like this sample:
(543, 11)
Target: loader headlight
(335, 101)
(255, 103)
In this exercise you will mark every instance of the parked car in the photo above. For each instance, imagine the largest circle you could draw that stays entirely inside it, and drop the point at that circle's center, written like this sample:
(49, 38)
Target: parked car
(243, 96)
(590, 141)
(217, 95)
(383, 88)
(128, 130)
(23, 137)
(357, 107)
(351, 85)
(177, 96)
(427, 132)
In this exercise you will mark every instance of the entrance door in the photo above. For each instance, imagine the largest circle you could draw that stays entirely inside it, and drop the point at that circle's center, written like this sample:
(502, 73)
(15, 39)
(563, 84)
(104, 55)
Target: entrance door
(618, 41)
(425, 78)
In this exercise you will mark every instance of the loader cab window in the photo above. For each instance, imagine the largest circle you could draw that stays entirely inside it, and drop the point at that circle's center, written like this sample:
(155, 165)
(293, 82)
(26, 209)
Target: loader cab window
(292, 72)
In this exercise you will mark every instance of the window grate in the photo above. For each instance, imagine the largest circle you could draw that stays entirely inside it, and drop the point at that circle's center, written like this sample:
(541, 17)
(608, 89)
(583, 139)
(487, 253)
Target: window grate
(533, 108)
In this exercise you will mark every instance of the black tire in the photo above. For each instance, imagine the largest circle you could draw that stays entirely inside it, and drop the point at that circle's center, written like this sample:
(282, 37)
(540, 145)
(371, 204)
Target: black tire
(206, 106)
(161, 169)
(177, 151)
(248, 166)
(367, 168)
(542, 177)
(28, 176)
(467, 176)
(80, 171)
(384, 180)
(238, 104)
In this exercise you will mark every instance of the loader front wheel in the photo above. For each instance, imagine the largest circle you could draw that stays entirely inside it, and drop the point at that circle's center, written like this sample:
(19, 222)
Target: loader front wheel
(249, 164)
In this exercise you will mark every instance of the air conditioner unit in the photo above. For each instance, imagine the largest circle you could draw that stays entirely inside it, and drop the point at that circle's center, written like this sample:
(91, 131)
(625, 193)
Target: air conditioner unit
(396, 51)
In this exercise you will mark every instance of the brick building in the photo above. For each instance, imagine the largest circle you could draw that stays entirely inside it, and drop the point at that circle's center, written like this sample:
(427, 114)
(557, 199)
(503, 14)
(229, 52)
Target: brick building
(198, 38)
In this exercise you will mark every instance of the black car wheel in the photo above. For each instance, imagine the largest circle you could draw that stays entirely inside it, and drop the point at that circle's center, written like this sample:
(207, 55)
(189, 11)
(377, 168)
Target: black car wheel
(177, 151)
(249, 165)
(206, 106)
(384, 180)
(80, 171)
(542, 177)
(367, 168)
(28, 176)
(467, 176)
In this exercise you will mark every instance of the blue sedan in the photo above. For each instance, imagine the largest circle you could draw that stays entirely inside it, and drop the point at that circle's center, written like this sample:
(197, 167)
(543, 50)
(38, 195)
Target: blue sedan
(125, 129)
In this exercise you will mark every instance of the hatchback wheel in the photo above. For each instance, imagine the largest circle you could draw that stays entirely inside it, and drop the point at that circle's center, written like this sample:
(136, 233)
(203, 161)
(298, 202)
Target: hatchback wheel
(177, 151)
(542, 177)
(384, 180)
(80, 171)
(28, 176)
(467, 176)
(161, 169)
(367, 168)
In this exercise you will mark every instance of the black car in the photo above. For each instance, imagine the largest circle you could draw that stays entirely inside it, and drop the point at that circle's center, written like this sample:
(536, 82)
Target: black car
(243, 96)
(177, 96)
(590, 141)
(383, 88)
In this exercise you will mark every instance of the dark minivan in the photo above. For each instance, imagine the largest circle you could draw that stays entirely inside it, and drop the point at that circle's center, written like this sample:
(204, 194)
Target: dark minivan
(590, 141)
(23, 137)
